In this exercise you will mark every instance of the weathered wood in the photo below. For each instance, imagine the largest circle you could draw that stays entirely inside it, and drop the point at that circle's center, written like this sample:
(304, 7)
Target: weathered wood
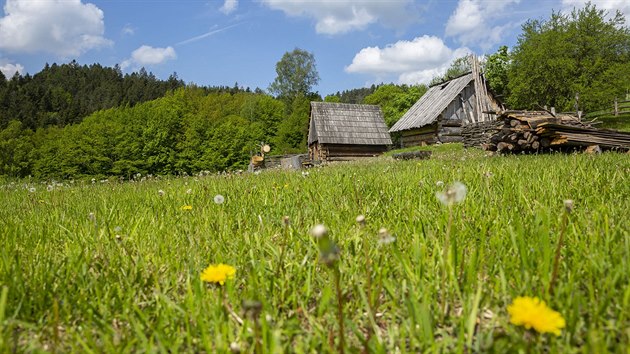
(450, 131)
(451, 139)
(538, 131)
(451, 122)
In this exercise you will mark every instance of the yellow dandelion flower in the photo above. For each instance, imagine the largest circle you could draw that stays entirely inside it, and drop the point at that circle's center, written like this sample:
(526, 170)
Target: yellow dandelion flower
(186, 207)
(218, 273)
(534, 313)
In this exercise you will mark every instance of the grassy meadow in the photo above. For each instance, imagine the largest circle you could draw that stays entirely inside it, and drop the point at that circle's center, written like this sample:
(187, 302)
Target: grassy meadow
(115, 267)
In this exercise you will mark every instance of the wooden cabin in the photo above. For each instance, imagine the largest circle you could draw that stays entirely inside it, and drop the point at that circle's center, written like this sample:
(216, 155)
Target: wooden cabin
(440, 113)
(341, 131)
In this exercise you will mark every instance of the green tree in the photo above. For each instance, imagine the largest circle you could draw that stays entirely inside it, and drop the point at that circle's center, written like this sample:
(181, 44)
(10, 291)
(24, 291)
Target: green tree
(496, 71)
(395, 100)
(296, 75)
(293, 130)
(15, 147)
(458, 67)
(585, 52)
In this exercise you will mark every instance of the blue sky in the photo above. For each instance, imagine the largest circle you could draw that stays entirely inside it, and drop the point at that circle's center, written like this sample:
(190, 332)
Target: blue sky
(220, 42)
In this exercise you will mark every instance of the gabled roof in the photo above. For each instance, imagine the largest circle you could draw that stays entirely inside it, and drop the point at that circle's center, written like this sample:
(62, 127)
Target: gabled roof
(432, 104)
(342, 123)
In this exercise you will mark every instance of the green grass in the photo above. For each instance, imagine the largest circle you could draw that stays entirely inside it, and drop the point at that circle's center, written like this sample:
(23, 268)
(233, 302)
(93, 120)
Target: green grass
(68, 283)
(621, 122)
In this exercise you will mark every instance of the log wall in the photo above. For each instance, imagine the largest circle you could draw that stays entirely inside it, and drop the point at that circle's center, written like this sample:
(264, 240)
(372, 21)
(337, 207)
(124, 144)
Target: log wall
(344, 152)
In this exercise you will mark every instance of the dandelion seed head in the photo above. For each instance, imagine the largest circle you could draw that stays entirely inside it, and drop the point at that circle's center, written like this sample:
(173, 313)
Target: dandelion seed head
(161, 193)
(319, 231)
(32, 190)
(455, 193)
(285, 220)
(189, 191)
(50, 187)
(361, 220)
(219, 199)
(92, 216)
(568, 205)
(384, 237)
(439, 183)
(235, 347)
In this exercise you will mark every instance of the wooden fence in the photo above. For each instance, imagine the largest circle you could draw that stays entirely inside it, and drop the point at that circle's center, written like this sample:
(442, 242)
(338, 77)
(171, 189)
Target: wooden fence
(618, 108)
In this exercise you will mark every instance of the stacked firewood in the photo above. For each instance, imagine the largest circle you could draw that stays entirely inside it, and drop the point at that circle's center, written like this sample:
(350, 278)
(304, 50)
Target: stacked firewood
(479, 134)
(532, 131)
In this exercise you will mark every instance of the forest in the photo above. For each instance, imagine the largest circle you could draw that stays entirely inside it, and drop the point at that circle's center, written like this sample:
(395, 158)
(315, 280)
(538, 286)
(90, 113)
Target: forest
(80, 121)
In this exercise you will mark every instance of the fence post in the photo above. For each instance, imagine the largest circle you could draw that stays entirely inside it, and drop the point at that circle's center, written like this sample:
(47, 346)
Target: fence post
(616, 107)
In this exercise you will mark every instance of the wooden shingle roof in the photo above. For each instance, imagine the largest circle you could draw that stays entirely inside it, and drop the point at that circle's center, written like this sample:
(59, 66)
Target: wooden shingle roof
(342, 123)
(432, 104)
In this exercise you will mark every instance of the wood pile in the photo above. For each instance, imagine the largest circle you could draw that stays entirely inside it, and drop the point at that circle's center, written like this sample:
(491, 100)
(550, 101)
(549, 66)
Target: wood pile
(533, 131)
(479, 134)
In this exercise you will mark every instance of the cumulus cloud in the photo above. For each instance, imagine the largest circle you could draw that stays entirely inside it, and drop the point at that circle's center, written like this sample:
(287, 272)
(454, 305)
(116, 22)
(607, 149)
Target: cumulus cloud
(342, 16)
(412, 62)
(66, 28)
(229, 6)
(9, 69)
(609, 5)
(147, 55)
(474, 22)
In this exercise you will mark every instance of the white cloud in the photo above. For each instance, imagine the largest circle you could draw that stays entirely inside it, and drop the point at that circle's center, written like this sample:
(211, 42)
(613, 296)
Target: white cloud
(416, 61)
(147, 55)
(473, 22)
(229, 6)
(9, 69)
(342, 16)
(609, 5)
(128, 30)
(66, 28)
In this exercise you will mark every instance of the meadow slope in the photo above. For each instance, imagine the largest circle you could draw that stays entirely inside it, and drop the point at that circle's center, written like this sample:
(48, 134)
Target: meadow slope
(115, 267)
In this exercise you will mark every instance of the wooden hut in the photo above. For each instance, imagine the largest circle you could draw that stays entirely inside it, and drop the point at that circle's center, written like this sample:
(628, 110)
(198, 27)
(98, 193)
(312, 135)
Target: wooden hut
(340, 131)
(440, 113)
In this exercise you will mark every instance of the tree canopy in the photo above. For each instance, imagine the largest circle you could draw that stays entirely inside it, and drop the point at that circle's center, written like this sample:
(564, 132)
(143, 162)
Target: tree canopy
(585, 52)
(458, 67)
(296, 75)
